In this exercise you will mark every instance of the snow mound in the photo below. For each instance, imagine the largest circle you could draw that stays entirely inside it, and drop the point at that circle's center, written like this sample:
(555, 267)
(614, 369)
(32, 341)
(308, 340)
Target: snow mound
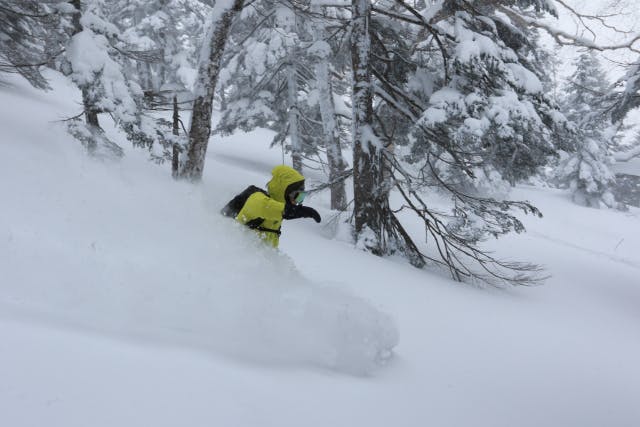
(287, 323)
(263, 313)
(122, 249)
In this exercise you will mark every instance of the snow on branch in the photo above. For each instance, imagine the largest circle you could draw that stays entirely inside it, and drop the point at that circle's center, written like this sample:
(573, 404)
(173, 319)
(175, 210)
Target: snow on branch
(583, 18)
(458, 251)
(565, 39)
(625, 156)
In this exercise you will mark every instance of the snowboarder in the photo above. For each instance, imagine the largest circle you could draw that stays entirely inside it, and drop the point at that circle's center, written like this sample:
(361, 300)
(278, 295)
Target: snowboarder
(264, 211)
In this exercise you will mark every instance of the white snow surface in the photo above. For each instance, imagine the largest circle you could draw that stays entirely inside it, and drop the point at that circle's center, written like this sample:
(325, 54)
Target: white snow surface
(126, 299)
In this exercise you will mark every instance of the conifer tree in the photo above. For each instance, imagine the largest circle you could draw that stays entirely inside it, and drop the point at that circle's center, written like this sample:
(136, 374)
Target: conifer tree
(265, 77)
(161, 37)
(278, 76)
(463, 80)
(91, 63)
(585, 171)
(31, 37)
(630, 97)
(96, 60)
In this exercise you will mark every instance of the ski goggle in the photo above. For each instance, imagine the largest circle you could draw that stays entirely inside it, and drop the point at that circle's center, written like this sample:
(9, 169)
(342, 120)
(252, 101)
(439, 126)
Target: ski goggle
(298, 197)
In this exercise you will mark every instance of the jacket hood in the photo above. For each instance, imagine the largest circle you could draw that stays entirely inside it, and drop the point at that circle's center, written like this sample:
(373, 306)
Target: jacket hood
(283, 177)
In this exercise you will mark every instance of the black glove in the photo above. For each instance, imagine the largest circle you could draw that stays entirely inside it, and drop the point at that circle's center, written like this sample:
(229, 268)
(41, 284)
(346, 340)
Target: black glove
(298, 211)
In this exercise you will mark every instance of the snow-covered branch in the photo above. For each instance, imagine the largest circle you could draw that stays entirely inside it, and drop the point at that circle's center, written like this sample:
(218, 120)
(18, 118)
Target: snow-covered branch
(563, 38)
(583, 18)
(625, 156)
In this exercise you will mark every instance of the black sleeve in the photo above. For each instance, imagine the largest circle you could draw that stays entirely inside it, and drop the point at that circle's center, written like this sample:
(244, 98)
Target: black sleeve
(299, 211)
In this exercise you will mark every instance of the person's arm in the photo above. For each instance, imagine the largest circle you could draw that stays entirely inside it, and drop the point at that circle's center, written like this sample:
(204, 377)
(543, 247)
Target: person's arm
(298, 211)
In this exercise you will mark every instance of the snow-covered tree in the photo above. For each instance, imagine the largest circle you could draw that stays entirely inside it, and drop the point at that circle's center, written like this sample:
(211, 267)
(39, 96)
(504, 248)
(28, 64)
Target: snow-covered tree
(161, 39)
(265, 77)
(585, 171)
(492, 116)
(31, 37)
(279, 76)
(210, 58)
(91, 64)
(79, 38)
(163, 36)
(588, 176)
(630, 97)
(629, 151)
(626, 101)
(372, 214)
(96, 59)
(463, 78)
(321, 54)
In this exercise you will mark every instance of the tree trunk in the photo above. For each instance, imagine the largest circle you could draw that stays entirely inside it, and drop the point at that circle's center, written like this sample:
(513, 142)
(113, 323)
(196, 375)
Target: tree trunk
(329, 125)
(175, 160)
(90, 112)
(223, 98)
(371, 206)
(331, 137)
(294, 129)
(208, 71)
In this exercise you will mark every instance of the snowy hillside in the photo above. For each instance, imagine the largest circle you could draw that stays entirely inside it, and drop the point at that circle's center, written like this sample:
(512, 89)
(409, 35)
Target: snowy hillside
(127, 300)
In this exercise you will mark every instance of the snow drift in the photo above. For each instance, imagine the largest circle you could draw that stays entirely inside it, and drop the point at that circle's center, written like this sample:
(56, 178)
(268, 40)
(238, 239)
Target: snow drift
(123, 249)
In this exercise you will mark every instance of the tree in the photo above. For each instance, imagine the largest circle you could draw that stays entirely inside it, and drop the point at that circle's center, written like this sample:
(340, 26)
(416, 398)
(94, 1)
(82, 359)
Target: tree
(278, 76)
(94, 64)
(161, 36)
(160, 40)
(460, 80)
(372, 215)
(321, 53)
(624, 154)
(626, 101)
(220, 21)
(80, 39)
(585, 171)
(265, 77)
(630, 97)
(30, 37)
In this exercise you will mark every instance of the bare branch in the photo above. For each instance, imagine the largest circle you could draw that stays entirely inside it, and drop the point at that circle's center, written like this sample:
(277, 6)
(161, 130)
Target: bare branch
(565, 39)
(599, 18)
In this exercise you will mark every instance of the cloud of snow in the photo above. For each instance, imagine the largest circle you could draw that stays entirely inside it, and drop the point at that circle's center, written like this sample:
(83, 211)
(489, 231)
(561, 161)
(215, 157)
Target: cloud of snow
(125, 250)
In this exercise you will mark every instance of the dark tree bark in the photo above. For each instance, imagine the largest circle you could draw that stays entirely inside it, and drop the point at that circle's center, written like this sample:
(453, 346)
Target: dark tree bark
(90, 112)
(208, 73)
(175, 160)
(376, 227)
(371, 207)
(336, 174)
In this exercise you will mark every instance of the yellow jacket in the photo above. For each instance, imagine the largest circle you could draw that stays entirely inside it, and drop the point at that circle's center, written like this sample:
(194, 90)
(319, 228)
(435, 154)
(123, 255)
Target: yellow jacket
(269, 209)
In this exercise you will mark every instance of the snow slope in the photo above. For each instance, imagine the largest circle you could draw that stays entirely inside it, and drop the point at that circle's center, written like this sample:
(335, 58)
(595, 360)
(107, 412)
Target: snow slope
(125, 299)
